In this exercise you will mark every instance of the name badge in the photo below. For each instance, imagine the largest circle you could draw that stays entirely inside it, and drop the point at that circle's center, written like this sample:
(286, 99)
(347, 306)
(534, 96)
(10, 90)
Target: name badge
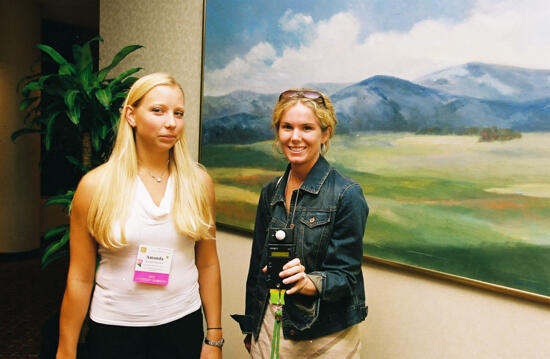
(153, 265)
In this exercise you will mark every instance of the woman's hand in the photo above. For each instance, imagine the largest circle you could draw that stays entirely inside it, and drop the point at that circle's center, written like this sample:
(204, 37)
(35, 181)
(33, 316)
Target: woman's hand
(210, 352)
(295, 272)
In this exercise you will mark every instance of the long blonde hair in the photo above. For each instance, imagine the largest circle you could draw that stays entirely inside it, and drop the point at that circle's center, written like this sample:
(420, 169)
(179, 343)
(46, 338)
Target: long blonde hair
(115, 192)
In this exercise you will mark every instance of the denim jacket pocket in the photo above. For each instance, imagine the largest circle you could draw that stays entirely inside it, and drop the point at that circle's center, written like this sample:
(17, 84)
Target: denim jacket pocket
(301, 311)
(316, 227)
(314, 219)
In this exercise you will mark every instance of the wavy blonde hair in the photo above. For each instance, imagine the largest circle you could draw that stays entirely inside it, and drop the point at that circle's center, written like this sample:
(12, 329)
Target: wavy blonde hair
(324, 113)
(116, 189)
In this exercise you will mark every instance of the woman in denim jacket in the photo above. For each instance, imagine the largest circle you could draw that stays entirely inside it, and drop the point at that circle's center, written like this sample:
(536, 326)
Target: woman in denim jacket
(327, 214)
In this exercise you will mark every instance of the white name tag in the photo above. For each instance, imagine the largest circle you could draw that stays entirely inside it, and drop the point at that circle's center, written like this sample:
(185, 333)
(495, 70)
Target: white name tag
(153, 265)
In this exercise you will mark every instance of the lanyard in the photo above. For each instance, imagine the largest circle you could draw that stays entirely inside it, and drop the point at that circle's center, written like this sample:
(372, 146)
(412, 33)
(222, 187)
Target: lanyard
(295, 200)
(277, 298)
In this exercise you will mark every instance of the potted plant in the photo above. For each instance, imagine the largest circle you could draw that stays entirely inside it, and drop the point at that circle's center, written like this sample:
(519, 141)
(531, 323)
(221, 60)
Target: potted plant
(77, 104)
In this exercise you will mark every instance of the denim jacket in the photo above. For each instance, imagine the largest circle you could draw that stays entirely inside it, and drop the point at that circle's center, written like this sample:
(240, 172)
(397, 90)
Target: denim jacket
(330, 215)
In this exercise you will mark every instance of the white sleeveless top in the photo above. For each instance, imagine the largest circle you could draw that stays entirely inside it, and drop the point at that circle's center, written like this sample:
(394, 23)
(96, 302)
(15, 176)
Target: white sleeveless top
(117, 299)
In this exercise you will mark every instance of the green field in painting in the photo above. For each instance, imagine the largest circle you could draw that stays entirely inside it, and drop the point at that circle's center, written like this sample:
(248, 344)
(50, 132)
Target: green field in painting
(447, 203)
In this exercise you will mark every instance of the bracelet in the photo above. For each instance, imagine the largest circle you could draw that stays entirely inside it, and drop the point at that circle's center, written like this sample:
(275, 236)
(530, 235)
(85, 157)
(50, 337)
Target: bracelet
(213, 328)
(215, 343)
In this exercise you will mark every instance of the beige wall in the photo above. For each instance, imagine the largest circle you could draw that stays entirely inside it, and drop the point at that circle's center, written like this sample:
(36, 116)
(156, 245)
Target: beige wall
(411, 316)
(19, 172)
(171, 33)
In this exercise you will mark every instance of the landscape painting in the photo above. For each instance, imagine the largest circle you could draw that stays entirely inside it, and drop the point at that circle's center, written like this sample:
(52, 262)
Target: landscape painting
(443, 114)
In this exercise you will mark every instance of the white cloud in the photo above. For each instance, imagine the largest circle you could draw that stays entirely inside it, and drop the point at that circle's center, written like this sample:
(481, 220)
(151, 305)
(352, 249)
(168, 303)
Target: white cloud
(261, 53)
(292, 22)
(502, 32)
(241, 71)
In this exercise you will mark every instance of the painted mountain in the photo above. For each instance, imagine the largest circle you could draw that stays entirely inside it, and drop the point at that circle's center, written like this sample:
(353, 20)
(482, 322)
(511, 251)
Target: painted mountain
(454, 99)
(491, 82)
(239, 117)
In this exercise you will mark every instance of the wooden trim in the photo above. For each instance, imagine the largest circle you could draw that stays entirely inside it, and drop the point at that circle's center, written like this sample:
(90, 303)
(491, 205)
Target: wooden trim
(462, 280)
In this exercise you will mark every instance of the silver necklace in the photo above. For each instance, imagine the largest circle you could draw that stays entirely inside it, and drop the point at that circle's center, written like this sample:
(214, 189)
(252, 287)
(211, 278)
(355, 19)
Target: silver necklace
(159, 178)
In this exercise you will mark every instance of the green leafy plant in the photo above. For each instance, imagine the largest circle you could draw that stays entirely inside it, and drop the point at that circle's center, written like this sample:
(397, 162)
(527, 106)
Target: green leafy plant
(77, 104)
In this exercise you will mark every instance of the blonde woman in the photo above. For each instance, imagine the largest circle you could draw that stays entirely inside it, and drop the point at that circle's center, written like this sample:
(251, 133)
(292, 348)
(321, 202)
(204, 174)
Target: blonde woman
(323, 215)
(149, 214)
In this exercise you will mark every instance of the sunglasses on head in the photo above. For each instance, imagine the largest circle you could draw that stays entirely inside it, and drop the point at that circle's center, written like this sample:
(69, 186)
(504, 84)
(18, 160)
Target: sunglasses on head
(309, 94)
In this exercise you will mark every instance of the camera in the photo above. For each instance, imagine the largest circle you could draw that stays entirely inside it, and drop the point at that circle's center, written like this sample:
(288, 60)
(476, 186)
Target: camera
(280, 249)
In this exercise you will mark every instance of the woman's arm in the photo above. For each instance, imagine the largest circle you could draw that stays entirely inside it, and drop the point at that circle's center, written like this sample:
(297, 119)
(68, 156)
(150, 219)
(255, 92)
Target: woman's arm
(344, 254)
(80, 279)
(260, 229)
(342, 265)
(261, 223)
(208, 266)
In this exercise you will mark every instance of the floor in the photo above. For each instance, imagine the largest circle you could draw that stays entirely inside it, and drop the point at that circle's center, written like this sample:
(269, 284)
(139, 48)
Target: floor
(30, 295)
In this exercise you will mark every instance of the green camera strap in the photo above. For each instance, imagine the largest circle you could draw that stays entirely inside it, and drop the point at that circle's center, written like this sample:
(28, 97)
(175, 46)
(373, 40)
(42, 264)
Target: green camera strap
(277, 298)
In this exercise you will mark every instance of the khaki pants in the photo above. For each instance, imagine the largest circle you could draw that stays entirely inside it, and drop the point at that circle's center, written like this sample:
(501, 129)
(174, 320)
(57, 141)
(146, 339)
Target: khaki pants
(345, 344)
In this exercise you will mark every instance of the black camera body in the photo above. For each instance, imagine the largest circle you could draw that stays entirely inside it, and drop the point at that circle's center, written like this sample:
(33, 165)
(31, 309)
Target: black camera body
(280, 249)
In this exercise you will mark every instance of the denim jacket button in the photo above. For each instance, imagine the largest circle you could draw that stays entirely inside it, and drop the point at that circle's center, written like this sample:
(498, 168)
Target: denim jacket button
(312, 219)
(292, 332)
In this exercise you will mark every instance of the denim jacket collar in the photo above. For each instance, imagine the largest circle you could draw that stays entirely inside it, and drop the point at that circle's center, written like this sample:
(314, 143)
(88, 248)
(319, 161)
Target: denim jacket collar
(313, 183)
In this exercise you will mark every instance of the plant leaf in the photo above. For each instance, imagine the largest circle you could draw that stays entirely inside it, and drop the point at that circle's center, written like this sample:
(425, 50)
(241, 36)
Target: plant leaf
(62, 201)
(85, 61)
(33, 112)
(56, 87)
(48, 132)
(43, 79)
(129, 81)
(104, 97)
(70, 193)
(86, 80)
(95, 141)
(70, 97)
(85, 67)
(120, 95)
(23, 131)
(63, 253)
(123, 75)
(115, 117)
(116, 60)
(103, 129)
(74, 114)
(26, 79)
(77, 55)
(96, 38)
(54, 231)
(56, 56)
(31, 86)
(77, 163)
(26, 102)
(65, 199)
(66, 69)
(54, 247)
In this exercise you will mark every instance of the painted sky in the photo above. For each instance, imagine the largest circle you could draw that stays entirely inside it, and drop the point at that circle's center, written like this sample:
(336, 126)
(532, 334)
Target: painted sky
(267, 46)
